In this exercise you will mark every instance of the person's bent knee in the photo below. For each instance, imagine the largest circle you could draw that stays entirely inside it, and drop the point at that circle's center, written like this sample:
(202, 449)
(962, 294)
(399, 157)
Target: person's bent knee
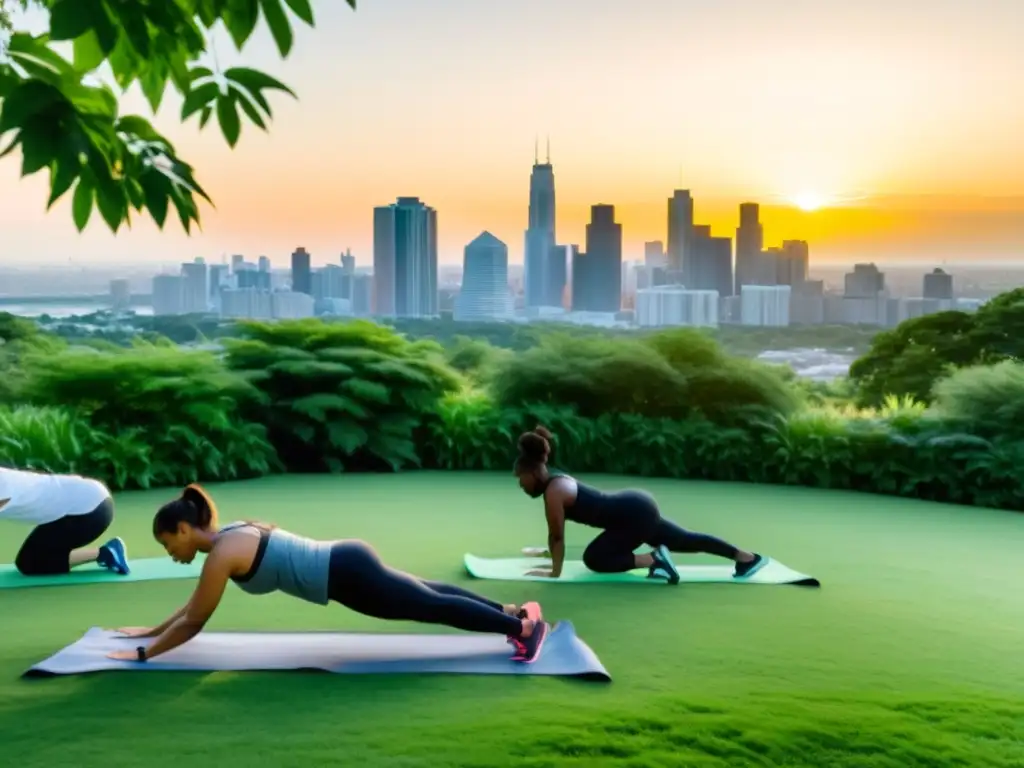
(598, 563)
(28, 565)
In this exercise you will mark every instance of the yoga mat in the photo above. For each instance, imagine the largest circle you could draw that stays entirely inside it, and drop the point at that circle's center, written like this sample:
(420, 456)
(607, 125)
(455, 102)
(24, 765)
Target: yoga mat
(149, 569)
(563, 654)
(574, 572)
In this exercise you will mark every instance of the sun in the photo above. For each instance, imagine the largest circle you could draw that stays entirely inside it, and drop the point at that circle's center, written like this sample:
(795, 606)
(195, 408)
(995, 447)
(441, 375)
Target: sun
(810, 201)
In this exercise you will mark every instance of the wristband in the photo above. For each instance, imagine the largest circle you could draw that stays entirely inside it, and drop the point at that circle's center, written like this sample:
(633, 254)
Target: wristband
(141, 651)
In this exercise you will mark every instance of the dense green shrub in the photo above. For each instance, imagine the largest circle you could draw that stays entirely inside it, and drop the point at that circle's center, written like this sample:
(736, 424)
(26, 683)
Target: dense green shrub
(340, 395)
(899, 451)
(985, 400)
(160, 416)
(673, 374)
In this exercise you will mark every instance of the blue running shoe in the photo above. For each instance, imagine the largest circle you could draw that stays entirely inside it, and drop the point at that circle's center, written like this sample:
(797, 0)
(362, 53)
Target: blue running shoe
(746, 570)
(663, 567)
(114, 556)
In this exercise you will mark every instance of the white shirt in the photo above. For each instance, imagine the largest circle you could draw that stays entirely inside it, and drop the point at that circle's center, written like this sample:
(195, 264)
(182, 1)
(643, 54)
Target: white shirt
(38, 498)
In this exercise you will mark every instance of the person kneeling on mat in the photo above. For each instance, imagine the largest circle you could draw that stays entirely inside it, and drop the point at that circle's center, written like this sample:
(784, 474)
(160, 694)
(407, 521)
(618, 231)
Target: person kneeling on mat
(262, 558)
(69, 512)
(627, 519)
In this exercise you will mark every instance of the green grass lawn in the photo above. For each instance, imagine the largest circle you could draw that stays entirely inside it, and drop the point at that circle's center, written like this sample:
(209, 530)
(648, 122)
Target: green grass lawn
(909, 655)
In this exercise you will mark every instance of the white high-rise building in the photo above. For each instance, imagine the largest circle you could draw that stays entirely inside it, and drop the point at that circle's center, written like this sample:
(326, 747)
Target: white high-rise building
(195, 290)
(671, 305)
(251, 303)
(167, 295)
(484, 294)
(291, 305)
(766, 305)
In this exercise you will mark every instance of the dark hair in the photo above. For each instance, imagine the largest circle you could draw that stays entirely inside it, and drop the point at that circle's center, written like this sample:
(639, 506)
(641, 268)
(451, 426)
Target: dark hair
(194, 507)
(534, 449)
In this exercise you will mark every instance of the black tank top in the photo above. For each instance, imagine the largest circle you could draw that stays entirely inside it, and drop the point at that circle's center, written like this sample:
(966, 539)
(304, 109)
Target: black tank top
(592, 507)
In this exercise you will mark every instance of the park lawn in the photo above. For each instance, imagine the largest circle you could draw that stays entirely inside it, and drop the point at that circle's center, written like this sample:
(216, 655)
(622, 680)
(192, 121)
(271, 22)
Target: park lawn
(908, 656)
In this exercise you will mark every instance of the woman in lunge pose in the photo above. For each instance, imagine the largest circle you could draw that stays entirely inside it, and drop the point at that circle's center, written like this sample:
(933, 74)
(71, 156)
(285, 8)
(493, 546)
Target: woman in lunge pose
(69, 513)
(627, 520)
(263, 558)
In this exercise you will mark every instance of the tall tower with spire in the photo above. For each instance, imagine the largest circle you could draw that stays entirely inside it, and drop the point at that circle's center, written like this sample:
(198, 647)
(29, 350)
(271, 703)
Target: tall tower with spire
(544, 262)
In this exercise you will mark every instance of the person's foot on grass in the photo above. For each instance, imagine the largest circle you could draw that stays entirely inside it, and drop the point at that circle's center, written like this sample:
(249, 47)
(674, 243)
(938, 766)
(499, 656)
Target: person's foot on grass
(663, 567)
(114, 557)
(750, 567)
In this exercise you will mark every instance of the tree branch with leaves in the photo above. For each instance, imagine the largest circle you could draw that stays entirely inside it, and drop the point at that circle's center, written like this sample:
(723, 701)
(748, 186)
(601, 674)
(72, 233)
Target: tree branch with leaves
(63, 123)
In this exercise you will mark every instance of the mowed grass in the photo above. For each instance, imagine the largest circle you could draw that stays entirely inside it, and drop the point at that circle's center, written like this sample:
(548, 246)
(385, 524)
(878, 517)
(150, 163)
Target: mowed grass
(909, 655)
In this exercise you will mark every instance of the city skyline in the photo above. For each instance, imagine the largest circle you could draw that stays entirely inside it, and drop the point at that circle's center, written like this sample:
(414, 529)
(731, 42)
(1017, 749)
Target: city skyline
(909, 145)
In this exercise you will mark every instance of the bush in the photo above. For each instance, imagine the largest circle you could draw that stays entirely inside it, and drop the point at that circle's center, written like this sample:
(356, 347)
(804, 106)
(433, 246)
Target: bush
(159, 416)
(340, 395)
(674, 374)
(984, 400)
(898, 451)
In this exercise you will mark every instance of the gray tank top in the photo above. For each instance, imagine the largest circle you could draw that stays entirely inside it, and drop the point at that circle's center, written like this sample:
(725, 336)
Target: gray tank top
(295, 565)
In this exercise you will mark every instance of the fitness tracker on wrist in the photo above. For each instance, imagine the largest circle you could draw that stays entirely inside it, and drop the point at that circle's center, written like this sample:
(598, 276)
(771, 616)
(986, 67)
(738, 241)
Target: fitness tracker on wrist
(141, 651)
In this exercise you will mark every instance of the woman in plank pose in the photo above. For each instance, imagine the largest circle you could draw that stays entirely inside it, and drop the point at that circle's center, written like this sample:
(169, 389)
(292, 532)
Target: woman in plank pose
(627, 520)
(263, 558)
(69, 513)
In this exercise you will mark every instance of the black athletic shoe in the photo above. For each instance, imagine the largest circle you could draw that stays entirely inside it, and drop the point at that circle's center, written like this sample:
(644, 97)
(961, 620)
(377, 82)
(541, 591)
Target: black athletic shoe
(663, 567)
(527, 649)
(744, 570)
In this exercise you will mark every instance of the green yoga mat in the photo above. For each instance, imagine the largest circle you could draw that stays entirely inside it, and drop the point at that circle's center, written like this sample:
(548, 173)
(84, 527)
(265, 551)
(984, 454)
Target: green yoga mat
(149, 569)
(574, 572)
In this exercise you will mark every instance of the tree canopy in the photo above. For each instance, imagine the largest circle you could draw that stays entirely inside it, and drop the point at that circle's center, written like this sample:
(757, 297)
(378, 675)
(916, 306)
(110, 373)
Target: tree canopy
(64, 119)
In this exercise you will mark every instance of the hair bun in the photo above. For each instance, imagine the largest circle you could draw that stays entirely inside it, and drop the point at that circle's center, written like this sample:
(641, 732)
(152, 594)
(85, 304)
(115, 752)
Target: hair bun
(534, 446)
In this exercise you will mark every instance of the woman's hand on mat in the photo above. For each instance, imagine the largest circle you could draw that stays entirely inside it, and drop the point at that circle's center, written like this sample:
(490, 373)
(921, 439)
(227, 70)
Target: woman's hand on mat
(134, 631)
(545, 572)
(124, 655)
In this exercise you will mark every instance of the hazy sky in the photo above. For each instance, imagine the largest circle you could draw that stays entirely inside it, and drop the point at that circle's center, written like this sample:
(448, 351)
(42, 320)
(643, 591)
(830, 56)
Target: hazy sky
(905, 117)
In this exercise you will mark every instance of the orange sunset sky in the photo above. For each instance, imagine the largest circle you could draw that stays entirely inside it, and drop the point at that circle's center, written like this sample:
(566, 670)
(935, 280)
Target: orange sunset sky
(900, 122)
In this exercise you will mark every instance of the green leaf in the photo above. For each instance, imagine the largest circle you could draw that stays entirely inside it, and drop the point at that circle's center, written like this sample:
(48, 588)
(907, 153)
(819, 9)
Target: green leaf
(30, 98)
(63, 171)
(155, 189)
(253, 114)
(204, 116)
(111, 201)
(153, 80)
(240, 17)
(88, 54)
(227, 116)
(277, 20)
(253, 80)
(132, 17)
(71, 18)
(198, 98)
(34, 56)
(302, 9)
(81, 204)
(40, 142)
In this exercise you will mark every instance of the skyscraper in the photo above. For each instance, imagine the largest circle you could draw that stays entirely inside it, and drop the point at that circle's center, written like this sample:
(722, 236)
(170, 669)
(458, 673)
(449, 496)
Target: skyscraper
(405, 259)
(544, 281)
(793, 263)
(597, 274)
(484, 294)
(302, 271)
(938, 284)
(680, 230)
(749, 245)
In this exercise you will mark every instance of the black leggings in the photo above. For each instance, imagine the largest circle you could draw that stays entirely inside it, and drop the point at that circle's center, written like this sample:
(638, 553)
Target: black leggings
(641, 523)
(47, 549)
(361, 582)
